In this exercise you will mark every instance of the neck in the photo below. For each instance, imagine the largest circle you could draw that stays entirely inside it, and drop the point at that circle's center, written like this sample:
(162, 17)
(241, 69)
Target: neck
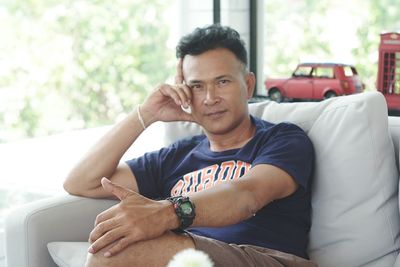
(235, 138)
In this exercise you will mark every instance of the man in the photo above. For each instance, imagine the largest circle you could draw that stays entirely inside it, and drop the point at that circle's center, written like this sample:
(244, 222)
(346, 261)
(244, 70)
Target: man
(241, 191)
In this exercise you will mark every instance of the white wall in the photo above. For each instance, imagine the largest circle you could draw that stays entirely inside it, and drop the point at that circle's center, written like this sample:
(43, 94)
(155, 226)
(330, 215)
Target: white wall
(234, 13)
(193, 14)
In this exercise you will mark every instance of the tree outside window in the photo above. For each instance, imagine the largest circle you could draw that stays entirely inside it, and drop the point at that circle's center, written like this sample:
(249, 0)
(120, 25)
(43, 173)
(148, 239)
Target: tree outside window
(67, 64)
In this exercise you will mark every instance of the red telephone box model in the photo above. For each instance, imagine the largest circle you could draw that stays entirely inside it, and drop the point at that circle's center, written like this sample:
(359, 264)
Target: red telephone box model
(389, 69)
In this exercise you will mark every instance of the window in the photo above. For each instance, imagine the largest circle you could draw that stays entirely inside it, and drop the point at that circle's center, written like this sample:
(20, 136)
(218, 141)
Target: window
(323, 72)
(326, 31)
(69, 68)
(304, 71)
(76, 64)
(349, 71)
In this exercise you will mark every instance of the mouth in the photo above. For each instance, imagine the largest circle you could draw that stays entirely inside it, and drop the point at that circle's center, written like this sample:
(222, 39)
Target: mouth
(215, 113)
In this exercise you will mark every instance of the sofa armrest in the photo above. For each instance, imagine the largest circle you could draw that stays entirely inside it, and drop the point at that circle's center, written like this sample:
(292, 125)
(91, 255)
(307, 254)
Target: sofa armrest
(394, 128)
(397, 263)
(64, 218)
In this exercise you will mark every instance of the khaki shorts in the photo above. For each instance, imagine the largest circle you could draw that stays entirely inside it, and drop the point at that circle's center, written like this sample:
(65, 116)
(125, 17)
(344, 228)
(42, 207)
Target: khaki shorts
(223, 254)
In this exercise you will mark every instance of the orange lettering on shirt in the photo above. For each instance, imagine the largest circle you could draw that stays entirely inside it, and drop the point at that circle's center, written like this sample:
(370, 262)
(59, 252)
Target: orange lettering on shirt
(241, 168)
(191, 181)
(226, 171)
(209, 176)
(177, 189)
(206, 177)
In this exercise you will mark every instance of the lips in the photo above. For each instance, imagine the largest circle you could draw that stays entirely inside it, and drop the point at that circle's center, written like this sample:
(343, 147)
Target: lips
(215, 113)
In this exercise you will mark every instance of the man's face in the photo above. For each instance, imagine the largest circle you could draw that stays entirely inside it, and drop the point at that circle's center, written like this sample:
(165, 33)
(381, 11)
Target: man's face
(220, 89)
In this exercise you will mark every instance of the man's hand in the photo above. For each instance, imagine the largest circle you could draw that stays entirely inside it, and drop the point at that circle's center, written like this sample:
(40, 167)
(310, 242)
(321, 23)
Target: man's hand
(165, 103)
(134, 219)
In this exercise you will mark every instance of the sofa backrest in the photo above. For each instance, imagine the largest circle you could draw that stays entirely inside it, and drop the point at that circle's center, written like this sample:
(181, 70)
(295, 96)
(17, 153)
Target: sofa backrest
(394, 128)
(355, 214)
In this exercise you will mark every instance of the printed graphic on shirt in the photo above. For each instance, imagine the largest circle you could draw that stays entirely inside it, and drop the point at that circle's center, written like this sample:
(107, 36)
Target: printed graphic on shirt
(209, 176)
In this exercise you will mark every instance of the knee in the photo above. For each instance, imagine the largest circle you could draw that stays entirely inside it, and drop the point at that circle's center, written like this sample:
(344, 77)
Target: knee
(98, 260)
(93, 260)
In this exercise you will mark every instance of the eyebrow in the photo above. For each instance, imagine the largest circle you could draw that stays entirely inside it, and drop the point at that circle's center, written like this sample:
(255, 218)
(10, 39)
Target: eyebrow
(216, 78)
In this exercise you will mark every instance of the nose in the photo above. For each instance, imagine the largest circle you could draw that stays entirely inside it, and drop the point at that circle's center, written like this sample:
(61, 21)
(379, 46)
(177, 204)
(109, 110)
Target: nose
(211, 96)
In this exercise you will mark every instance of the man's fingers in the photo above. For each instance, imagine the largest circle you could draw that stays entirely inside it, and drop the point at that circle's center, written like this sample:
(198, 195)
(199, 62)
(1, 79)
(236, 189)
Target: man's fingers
(179, 72)
(184, 94)
(187, 92)
(177, 93)
(105, 240)
(105, 215)
(120, 245)
(170, 99)
(101, 229)
(168, 91)
(119, 191)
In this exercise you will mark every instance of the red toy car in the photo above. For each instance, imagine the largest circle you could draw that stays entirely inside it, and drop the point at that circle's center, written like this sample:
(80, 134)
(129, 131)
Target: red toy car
(316, 81)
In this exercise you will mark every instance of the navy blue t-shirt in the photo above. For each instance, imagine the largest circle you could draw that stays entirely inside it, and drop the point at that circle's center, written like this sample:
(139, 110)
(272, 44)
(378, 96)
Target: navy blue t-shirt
(189, 166)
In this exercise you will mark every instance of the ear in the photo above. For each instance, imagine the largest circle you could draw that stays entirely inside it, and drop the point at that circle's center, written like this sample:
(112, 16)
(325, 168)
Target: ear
(250, 83)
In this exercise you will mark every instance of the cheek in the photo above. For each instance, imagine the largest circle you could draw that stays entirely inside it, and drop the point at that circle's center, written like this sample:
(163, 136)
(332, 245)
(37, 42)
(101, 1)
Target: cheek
(197, 98)
(244, 90)
(235, 96)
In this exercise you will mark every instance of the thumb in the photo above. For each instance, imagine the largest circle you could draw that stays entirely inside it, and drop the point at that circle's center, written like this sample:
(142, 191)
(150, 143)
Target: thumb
(119, 191)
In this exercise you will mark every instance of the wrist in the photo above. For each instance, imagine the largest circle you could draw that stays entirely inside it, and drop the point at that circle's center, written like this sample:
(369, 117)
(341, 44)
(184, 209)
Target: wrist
(140, 118)
(146, 115)
(172, 220)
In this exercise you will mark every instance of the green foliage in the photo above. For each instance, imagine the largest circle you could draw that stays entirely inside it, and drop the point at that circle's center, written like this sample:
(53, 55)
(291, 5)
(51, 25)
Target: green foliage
(293, 31)
(75, 64)
(71, 64)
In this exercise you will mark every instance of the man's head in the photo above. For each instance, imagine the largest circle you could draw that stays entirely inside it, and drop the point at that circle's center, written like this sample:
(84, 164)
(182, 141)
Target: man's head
(211, 37)
(214, 68)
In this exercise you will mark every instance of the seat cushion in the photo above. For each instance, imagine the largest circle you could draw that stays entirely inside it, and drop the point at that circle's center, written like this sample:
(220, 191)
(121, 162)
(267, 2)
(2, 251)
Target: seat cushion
(355, 216)
(68, 254)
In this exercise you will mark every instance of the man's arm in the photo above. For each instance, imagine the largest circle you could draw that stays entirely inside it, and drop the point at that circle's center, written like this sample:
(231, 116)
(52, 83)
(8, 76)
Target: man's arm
(137, 218)
(103, 159)
(234, 201)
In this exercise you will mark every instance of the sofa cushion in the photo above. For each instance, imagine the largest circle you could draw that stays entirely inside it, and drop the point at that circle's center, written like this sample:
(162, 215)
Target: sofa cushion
(355, 216)
(68, 254)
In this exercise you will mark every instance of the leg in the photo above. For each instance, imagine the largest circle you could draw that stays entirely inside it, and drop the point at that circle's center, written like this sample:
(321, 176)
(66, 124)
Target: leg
(223, 254)
(151, 253)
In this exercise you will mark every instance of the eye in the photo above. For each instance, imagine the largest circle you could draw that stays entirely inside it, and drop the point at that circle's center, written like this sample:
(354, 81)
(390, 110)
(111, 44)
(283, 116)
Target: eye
(223, 82)
(196, 86)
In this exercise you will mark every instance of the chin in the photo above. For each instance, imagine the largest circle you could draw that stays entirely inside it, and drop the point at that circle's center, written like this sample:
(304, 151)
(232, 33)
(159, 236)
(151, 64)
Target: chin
(217, 128)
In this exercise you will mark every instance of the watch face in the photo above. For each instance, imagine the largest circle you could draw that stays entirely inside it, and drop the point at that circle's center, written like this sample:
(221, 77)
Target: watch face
(186, 208)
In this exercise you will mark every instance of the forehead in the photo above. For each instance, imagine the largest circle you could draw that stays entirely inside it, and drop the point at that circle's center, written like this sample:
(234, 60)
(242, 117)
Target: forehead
(211, 64)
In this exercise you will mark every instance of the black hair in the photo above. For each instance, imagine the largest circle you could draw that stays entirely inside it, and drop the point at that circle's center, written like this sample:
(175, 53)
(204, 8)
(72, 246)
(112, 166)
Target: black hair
(212, 37)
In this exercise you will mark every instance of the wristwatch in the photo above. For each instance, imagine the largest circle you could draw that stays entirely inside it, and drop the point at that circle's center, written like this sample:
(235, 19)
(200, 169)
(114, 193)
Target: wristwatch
(184, 209)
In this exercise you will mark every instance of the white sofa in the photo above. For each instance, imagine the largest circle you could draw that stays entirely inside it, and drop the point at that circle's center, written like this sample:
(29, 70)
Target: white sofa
(355, 216)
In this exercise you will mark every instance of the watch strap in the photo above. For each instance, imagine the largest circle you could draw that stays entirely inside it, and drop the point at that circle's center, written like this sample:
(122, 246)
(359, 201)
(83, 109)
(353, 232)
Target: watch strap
(185, 215)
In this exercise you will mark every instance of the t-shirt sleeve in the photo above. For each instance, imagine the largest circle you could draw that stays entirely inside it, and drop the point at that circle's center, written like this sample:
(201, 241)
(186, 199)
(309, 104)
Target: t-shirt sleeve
(290, 149)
